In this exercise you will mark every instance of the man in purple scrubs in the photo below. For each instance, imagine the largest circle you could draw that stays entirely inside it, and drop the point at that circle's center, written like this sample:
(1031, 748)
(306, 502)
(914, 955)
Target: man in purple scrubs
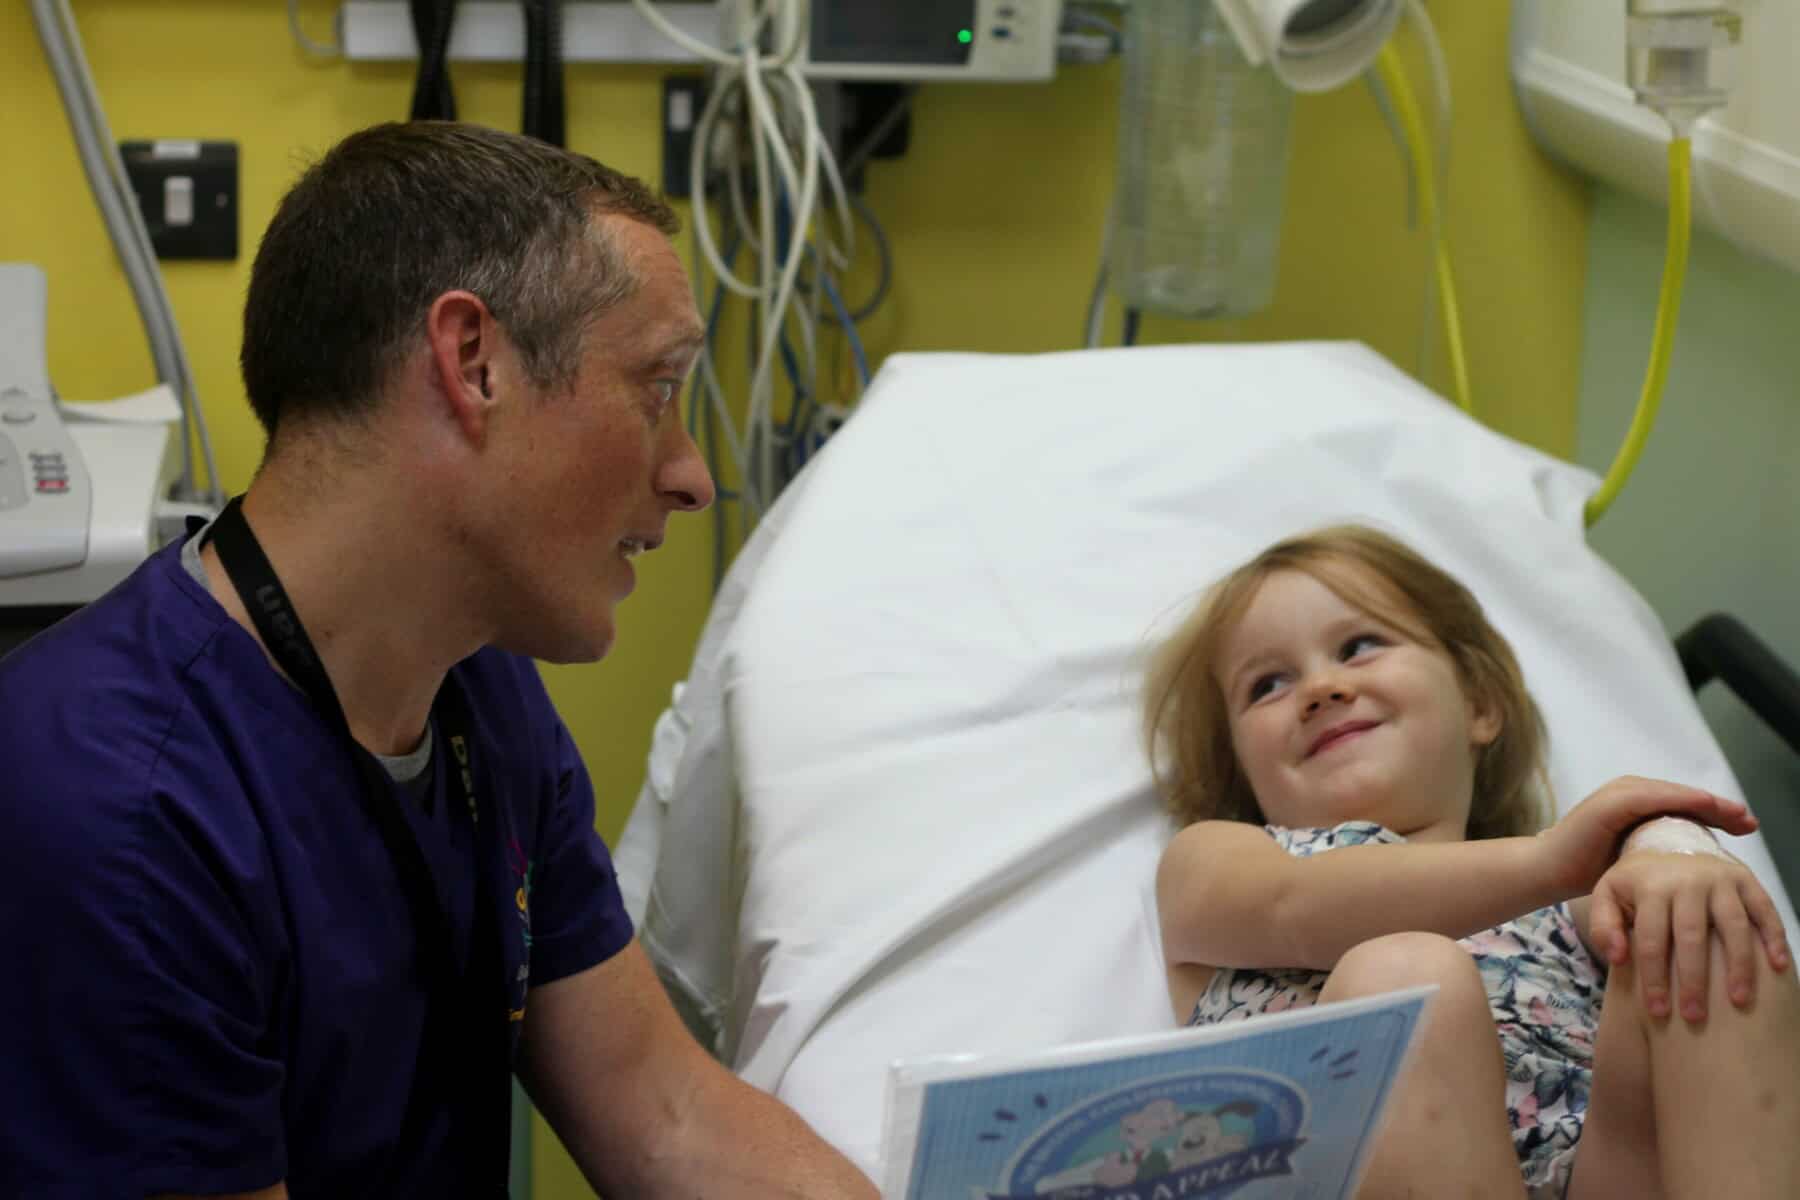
(298, 864)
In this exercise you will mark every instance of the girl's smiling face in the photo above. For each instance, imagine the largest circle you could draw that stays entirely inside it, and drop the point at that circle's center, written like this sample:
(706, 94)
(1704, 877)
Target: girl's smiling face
(1336, 715)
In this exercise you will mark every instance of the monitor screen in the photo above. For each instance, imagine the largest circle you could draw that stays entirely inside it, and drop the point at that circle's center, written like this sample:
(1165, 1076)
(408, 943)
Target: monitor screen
(928, 32)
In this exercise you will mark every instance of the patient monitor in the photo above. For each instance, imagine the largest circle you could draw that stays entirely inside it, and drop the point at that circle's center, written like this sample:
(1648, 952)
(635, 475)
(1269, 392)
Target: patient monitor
(79, 485)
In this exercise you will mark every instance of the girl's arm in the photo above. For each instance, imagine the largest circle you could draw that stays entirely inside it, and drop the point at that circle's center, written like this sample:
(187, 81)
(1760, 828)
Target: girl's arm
(1228, 895)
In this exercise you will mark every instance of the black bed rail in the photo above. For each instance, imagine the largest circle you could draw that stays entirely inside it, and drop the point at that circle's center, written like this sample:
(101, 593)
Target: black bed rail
(1720, 647)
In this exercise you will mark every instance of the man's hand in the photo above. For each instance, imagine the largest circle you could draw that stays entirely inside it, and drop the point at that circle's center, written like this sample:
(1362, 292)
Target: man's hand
(645, 1112)
(1652, 899)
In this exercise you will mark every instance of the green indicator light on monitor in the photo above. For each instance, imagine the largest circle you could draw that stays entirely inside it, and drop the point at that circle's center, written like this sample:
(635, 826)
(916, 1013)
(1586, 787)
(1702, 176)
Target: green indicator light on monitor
(965, 36)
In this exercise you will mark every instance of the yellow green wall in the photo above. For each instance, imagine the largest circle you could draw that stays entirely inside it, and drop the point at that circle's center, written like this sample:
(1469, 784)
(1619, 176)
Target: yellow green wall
(995, 217)
(1706, 522)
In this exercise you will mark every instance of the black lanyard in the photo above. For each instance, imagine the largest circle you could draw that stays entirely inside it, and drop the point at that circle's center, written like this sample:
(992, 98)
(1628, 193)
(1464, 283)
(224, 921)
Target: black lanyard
(465, 1034)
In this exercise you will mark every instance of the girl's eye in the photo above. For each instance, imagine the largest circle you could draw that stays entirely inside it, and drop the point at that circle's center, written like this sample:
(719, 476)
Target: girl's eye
(1359, 644)
(1262, 685)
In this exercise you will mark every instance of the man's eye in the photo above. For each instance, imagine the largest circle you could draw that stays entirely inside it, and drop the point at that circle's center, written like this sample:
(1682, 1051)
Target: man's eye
(1359, 644)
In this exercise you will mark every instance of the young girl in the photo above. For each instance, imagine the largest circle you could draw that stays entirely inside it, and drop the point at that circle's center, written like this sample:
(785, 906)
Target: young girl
(1340, 693)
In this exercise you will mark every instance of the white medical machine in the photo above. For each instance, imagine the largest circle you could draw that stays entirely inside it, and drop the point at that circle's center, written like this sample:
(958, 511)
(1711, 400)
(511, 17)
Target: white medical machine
(45, 495)
(956, 40)
(87, 491)
(901, 807)
(80, 486)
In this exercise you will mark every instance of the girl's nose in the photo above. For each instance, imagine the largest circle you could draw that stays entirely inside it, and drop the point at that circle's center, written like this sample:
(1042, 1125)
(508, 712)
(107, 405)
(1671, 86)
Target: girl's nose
(1326, 691)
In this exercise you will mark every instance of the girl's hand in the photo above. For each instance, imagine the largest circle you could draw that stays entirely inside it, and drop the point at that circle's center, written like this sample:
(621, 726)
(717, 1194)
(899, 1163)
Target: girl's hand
(1584, 843)
(1687, 899)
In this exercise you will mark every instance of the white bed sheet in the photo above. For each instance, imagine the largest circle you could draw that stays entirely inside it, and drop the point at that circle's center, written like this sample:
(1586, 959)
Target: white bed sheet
(900, 806)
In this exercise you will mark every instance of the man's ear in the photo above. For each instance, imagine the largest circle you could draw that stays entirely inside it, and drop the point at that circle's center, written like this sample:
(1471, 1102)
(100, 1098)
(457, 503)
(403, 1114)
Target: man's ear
(463, 339)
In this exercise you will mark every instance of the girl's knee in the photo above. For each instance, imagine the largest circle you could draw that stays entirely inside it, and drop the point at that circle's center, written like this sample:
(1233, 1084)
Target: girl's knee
(1457, 1046)
(1776, 1003)
(1401, 960)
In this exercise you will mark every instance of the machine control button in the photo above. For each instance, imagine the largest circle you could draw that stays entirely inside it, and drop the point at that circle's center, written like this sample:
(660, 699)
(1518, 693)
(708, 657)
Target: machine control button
(17, 416)
(53, 486)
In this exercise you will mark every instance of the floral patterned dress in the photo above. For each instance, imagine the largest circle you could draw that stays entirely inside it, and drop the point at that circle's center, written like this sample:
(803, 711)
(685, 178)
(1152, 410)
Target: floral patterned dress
(1543, 986)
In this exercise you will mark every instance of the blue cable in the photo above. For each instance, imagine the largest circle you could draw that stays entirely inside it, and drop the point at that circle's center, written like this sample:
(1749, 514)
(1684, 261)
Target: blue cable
(698, 403)
(797, 446)
(849, 326)
(831, 294)
(792, 364)
(788, 359)
(697, 400)
(695, 388)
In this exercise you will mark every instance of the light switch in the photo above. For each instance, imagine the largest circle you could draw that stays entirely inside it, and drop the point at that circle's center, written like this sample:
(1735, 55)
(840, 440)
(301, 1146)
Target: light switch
(188, 192)
(178, 201)
(681, 112)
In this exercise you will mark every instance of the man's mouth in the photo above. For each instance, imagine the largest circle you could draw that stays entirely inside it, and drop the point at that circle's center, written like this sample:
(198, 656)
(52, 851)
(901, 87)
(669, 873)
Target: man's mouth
(631, 547)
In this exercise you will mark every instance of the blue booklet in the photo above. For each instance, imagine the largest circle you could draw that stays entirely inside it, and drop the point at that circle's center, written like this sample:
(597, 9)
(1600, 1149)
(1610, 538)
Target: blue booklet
(1275, 1106)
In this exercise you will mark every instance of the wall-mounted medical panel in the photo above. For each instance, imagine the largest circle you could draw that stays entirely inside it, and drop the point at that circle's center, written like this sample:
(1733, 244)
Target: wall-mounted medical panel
(485, 30)
(1568, 67)
(957, 40)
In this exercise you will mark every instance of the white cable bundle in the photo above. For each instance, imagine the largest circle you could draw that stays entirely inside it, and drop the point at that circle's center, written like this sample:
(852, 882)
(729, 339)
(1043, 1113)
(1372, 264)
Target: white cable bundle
(788, 154)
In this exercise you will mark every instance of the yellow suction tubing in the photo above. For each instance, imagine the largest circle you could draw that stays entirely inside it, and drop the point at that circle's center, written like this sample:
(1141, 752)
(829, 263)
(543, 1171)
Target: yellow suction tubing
(1668, 311)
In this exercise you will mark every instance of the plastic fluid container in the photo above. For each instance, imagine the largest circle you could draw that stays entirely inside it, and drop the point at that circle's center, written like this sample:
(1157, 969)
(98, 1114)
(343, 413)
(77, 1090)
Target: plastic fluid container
(1203, 147)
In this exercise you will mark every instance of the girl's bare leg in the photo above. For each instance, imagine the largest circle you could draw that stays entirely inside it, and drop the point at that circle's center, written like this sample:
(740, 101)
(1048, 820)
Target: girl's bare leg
(1694, 1110)
(1445, 1135)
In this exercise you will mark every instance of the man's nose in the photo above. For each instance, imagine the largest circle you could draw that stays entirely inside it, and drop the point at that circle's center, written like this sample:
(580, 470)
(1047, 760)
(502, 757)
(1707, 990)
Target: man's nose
(683, 476)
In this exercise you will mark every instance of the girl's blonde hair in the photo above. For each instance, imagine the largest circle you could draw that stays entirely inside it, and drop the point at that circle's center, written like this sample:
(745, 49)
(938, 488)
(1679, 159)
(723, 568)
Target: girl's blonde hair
(1187, 724)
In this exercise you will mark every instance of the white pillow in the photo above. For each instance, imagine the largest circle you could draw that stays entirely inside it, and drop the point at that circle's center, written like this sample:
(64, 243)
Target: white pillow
(919, 818)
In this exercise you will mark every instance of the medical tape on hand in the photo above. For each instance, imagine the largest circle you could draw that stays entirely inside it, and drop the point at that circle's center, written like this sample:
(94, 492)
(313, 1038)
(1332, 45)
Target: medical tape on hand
(1674, 835)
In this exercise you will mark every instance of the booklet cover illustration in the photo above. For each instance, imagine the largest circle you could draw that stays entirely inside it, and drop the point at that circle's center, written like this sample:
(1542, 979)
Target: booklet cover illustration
(1276, 1106)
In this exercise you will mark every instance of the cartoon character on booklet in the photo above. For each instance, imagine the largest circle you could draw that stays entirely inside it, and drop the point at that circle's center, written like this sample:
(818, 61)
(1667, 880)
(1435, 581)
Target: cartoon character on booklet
(1203, 1135)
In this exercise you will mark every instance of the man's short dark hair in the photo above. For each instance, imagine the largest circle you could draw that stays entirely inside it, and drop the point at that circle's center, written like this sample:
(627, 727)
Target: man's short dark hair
(398, 214)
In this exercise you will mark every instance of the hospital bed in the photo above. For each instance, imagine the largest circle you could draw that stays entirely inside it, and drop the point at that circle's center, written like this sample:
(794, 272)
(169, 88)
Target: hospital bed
(900, 806)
